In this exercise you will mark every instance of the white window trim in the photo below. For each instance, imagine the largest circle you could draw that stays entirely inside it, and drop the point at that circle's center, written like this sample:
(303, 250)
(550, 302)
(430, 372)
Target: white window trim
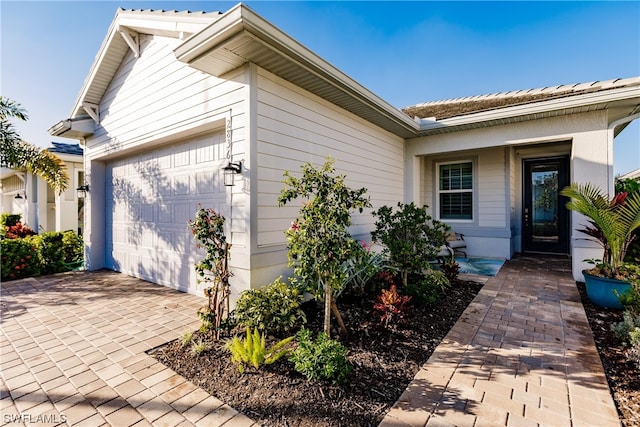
(473, 191)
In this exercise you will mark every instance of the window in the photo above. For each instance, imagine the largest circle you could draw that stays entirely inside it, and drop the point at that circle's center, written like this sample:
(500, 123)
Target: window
(455, 191)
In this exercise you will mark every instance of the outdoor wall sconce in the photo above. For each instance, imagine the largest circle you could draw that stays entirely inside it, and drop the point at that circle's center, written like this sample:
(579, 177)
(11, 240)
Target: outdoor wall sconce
(19, 197)
(229, 173)
(82, 191)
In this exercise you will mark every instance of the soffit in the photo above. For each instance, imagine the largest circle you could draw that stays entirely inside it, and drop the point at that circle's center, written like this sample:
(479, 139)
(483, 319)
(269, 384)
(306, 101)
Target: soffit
(241, 36)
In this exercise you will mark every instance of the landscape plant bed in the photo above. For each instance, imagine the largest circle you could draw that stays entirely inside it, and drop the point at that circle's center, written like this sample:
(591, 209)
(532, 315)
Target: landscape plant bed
(622, 375)
(384, 362)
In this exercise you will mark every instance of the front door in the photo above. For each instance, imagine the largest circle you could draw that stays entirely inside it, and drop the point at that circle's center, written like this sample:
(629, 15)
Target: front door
(545, 219)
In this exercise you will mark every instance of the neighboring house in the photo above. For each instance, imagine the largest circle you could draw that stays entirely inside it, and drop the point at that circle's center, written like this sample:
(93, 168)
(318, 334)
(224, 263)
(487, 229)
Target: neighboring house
(24, 193)
(173, 97)
(634, 174)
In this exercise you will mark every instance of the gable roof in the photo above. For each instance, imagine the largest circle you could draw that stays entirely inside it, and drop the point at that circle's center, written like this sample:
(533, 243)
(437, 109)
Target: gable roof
(175, 24)
(216, 43)
(445, 109)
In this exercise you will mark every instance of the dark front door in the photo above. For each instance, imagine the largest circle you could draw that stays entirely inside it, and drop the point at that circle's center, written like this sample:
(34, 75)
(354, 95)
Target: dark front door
(545, 219)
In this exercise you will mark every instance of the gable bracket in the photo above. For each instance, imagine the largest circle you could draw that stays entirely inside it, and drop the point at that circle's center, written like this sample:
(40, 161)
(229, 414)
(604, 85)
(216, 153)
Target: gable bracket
(132, 39)
(92, 110)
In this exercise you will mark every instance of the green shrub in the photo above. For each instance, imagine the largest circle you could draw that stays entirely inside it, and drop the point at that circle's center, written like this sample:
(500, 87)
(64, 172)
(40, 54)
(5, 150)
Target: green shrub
(273, 309)
(411, 237)
(20, 258)
(622, 330)
(430, 289)
(47, 253)
(9, 219)
(253, 350)
(320, 359)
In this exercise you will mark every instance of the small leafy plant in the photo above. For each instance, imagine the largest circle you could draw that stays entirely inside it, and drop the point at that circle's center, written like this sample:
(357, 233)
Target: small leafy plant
(273, 309)
(186, 339)
(252, 350)
(198, 347)
(363, 265)
(430, 289)
(392, 306)
(320, 359)
(451, 269)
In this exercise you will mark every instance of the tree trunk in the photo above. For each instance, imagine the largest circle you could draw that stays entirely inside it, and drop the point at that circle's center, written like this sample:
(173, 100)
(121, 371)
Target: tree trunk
(327, 309)
(334, 309)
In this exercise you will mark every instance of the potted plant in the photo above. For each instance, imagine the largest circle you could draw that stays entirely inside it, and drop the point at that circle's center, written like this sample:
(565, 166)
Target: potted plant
(613, 224)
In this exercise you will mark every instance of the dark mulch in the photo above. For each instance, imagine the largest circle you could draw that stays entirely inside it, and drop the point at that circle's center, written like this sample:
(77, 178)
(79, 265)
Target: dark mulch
(623, 376)
(384, 362)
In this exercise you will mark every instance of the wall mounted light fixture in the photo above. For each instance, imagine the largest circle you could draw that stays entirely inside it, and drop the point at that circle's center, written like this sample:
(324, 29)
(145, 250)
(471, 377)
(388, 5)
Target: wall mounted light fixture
(82, 191)
(230, 171)
(19, 197)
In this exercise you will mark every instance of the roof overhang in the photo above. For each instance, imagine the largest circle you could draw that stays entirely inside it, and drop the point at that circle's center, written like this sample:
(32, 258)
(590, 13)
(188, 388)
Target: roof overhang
(79, 128)
(241, 36)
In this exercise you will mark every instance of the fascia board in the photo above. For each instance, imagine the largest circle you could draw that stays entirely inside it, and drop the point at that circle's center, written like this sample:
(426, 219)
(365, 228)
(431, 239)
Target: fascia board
(102, 52)
(242, 21)
(558, 104)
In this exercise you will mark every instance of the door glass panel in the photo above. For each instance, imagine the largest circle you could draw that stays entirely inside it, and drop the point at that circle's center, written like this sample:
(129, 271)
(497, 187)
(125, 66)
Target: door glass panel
(544, 203)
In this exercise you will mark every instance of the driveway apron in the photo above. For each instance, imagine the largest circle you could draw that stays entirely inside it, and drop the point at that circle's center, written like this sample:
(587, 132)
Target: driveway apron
(72, 352)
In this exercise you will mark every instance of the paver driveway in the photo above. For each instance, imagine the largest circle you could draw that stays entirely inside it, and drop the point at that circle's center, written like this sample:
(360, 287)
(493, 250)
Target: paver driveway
(72, 352)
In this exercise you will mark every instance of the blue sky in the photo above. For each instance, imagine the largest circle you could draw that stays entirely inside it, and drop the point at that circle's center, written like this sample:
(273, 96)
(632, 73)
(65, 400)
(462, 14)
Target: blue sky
(405, 52)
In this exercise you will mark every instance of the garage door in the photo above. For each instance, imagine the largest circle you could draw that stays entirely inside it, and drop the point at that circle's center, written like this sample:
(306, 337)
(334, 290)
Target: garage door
(150, 197)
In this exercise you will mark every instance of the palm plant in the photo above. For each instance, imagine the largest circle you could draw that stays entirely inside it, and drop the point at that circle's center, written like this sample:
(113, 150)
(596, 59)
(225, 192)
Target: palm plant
(613, 222)
(18, 154)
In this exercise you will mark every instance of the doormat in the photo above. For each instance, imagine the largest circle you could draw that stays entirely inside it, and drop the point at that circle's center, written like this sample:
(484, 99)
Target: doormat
(480, 266)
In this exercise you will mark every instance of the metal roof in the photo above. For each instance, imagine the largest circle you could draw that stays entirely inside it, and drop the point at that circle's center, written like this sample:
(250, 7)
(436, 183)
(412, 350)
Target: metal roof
(63, 148)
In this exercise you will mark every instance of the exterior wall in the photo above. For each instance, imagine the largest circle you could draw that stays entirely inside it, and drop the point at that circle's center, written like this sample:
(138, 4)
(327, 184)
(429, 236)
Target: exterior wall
(590, 160)
(294, 127)
(155, 102)
(491, 222)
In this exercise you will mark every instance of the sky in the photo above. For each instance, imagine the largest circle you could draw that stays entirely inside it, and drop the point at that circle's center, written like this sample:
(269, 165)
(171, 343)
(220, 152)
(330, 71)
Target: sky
(405, 52)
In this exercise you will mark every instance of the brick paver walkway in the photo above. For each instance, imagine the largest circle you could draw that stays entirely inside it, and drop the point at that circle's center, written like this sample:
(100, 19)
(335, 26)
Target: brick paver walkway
(72, 352)
(522, 354)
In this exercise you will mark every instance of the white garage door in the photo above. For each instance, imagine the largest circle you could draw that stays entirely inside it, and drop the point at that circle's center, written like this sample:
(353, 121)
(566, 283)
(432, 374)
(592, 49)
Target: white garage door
(150, 197)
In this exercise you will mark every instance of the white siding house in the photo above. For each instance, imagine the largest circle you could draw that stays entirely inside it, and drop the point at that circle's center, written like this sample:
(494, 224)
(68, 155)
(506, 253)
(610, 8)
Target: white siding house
(172, 97)
(22, 192)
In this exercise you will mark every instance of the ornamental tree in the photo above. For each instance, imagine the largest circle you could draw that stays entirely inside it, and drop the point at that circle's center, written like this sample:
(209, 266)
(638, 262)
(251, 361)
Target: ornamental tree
(318, 240)
(411, 237)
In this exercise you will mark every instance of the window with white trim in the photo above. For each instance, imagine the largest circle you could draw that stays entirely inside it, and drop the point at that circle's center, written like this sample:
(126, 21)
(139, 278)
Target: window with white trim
(455, 191)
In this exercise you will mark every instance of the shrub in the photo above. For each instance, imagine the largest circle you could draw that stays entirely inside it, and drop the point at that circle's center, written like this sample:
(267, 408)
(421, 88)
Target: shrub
(9, 219)
(253, 350)
(430, 288)
(320, 359)
(392, 306)
(18, 231)
(274, 309)
(50, 252)
(622, 330)
(411, 236)
(198, 347)
(20, 258)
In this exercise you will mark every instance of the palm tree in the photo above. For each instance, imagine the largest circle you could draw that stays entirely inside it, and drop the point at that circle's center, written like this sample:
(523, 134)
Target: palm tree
(614, 222)
(18, 154)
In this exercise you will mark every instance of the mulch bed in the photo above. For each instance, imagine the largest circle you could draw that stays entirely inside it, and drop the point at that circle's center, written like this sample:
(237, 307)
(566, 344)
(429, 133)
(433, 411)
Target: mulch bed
(622, 375)
(384, 362)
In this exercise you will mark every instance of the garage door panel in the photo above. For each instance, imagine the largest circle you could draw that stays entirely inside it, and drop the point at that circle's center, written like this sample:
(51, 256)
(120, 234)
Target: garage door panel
(150, 199)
